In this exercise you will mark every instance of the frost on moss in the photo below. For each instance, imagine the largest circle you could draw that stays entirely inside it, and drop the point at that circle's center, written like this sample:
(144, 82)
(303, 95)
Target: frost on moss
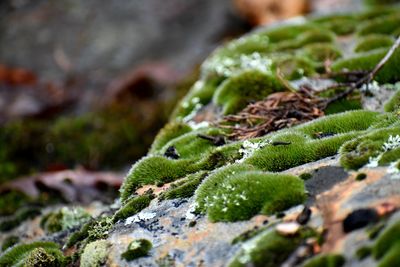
(248, 193)
(31, 254)
(136, 249)
(378, 147)
(95, 254)
(267, 249)
(373, 41)
(63, 219)
(236, 92)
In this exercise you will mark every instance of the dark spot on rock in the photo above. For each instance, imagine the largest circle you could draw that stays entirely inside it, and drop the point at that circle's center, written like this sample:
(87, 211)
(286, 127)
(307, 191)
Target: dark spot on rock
(359, 219)
(361, 176)
(192, 223)
(304, 216)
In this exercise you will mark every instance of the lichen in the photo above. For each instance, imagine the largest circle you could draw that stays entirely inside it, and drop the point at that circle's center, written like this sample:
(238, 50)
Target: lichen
(95, 254)
(63, 219)
(133, 206)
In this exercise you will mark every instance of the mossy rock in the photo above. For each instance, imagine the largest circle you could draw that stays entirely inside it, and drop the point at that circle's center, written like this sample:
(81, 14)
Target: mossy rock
(136, 249)
(373, 41)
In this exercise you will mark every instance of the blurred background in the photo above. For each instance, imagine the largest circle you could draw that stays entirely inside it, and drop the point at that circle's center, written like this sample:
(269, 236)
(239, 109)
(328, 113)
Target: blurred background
(86, 85)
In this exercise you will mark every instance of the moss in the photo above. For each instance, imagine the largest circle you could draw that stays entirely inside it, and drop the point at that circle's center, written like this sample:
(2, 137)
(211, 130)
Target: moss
(133, 206)
(63, 219)
(95, 254)
(328, 260)
(340, 24)
(169, 132)
(305, 176)
(391, 257)
(9, 242)
(380, 2)
(267, 249)
(382, 25)
(100, 228)
(80, 235)
(46, 253)
(393, 104)
(287, 32)
(386, 240)
(248, 193)
(390, 72)
(343, 105)
(363, 252)
(11, 201)
(320, 52)
(236, 92)
(20, 216)
(295, 67)
(308, 37)
(187, 188)
(358, 152)
(373, 41)
(136, 249)
(361, 176)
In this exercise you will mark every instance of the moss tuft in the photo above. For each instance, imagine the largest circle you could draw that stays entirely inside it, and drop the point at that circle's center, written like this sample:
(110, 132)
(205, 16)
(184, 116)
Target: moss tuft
(328, 260)
(9, 242)
(63, 219)
(382, 25)
(393, 104)
(136, 249)
(133, 206)
(187, 188)
(169, 132)
(386, 240)
(373, 41)
(236, 92)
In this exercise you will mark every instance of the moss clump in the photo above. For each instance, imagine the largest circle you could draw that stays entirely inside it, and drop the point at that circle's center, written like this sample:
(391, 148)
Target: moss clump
(363, 252)
(136, 249)
(186, 188)
(95, 254)
(11, 201)
(100, 228)
(381, 2)
(267, 249)
(63, 219)
(386, 240)
(373, 41)
(321, 52)
(9, 242)
(287, 32)
(369, 148)
(248, 193)
(393, 104)
(169, 132)
(390, 72)
(340, 24)
(328, 260)
(361, 176)
(382, 25)
(293, 68)
(236, 92)
(24, 213)
(45, 253)
(133, 206)
(309, 37)
(391, 257)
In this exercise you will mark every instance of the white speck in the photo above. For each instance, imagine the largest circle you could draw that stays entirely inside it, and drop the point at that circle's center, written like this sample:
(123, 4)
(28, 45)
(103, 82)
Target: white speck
(190, 212)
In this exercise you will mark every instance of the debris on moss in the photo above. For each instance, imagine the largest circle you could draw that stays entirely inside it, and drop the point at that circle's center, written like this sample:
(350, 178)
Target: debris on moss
(95, 254)
(136, 249)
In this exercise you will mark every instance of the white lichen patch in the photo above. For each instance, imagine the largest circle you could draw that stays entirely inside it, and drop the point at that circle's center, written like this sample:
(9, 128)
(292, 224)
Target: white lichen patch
(142, 216)
(393, 142)
(190, 213)
(372, 87)
(248, 148)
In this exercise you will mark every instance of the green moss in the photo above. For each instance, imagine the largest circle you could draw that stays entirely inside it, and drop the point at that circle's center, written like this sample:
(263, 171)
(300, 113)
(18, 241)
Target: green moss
(11, 201)
(328, 260)
(267, 249)
(305, 176)
(287, 32)
(320, 52)
(343, 105)
(393, 104)
(295, 67)
(368, 147)
(24, 213)
(133, 206)
(390, 72)
(363, 252)
(373, 41)
(169, 132)
(341, 24)
(46, 253)
(95, 254)
(80, 235)
(187, 188)
(246, 194)
(9, 242)
(136, 249)
(308, 37)
(386, 240)
(391, 257)
(381, 2)
(63, 219)
(382, 25)
(100, 228)
(236, 92)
